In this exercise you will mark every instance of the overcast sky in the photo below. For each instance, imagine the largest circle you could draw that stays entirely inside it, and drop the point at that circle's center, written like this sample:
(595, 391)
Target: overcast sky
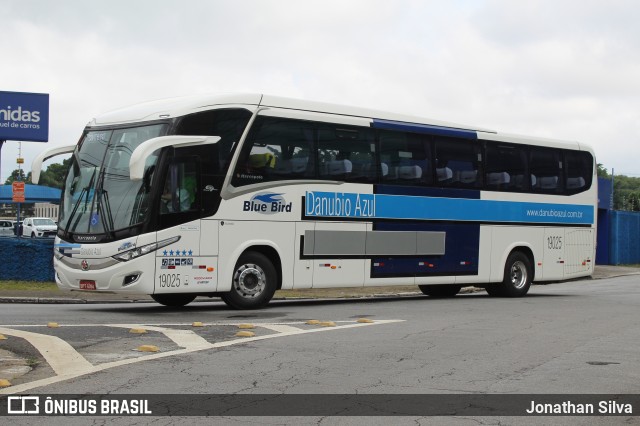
(558, 68)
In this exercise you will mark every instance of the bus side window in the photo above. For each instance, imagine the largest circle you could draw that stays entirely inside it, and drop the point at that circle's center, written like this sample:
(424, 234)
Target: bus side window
(505, 167)
(579, 170)
(276, 149)
(457, 163)
(546, 165)
(346, 154)
(180, 188)
(406, 158)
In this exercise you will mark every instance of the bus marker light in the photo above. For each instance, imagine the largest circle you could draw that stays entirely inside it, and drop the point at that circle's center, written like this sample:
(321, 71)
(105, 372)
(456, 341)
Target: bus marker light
(333, 266)
(3, 337)
(245, 334)
(365, 320)
(171, 267)
(202, 266)
(313, 322)
(197, 324)
(209, 269)
(148, 348)
(246, 326)
(53, 325)
(327, 324)
(4, 383)
(138, 331)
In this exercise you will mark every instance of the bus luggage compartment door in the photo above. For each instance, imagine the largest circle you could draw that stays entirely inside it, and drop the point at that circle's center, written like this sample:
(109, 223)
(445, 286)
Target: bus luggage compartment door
(183, 267)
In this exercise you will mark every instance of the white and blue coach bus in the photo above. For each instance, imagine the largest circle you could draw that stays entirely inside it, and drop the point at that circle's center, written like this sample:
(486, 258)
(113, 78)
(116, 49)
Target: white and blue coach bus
(237, 196)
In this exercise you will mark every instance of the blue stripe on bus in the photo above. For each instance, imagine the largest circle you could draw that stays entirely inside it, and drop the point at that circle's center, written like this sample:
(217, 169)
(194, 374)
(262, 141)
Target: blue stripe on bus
(422, 191)
(424, 128)
(402, 207)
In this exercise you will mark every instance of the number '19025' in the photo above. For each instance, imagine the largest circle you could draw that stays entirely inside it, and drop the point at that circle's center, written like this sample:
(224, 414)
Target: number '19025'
(554, 243)
(169, 280)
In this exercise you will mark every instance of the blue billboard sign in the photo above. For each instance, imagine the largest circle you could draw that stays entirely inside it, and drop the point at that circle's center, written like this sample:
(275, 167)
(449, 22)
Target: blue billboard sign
(24, 116)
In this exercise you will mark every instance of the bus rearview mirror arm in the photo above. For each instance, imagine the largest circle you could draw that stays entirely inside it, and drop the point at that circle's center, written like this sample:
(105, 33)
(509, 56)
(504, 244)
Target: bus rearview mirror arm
(145, 149)
(36, 165)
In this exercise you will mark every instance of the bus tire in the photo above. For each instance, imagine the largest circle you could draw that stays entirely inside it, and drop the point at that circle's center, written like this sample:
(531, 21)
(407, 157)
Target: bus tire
(173, 300)
(494, 290)
(255, 280)
(517, 275)
(440, 291)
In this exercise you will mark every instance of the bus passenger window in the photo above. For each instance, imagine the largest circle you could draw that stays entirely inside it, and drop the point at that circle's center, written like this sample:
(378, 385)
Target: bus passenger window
(406, 157)
(457, 163)
(346, 154)
(505, 167)
(545, 164)
(579, 169)
(276, 149)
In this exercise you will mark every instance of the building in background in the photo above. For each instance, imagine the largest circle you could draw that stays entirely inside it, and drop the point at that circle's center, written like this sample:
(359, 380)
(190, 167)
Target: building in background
(46, 210)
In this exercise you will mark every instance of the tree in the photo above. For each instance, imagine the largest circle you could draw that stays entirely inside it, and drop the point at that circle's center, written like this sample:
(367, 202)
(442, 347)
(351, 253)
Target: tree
(602, 171)
(18, 173)
(54, 175)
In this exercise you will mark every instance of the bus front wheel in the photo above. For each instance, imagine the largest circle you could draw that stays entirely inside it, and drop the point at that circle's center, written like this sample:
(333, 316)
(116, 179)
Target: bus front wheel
(173, 300)
(254, 282)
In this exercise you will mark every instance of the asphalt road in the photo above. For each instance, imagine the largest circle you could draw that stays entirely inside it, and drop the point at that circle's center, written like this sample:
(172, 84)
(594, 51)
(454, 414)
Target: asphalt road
(574, 337)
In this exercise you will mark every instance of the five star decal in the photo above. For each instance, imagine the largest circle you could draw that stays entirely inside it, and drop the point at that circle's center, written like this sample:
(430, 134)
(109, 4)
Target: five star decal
(177, 252)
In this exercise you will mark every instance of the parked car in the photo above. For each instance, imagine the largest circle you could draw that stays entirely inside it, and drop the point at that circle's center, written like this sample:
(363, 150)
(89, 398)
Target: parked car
(38, 227)
(6, 228)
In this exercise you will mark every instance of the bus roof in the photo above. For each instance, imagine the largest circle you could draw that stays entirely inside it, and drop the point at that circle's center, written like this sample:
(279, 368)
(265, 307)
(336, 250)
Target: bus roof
(177, 107)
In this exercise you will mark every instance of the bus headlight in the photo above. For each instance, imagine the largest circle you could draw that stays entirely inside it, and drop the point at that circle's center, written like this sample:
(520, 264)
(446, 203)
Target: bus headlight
(125, 256)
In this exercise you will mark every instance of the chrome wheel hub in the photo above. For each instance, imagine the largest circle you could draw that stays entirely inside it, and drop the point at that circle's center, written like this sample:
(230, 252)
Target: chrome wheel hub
(518, 274)
(249, 280)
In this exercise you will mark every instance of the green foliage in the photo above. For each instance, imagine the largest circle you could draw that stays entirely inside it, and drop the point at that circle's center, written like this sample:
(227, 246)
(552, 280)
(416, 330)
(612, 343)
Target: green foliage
(18, 175)
(55, 174)
(602, 172)
(626, 193)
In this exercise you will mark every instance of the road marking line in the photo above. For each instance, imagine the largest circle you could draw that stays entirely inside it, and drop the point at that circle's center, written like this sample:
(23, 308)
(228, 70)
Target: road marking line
(72, 374)
(60, 355)
(184, 338)
(280, 328)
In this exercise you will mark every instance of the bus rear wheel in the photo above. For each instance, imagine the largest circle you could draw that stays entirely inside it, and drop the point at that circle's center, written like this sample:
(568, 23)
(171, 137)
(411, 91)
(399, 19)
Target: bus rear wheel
(254, 282)
(173, 300)
(517, 277)
(440, 291)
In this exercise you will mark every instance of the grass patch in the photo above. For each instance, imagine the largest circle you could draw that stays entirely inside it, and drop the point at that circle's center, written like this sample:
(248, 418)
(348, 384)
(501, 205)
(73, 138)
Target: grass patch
(27, 285)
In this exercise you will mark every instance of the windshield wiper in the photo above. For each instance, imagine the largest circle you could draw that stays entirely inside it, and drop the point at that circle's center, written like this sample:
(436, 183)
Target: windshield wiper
(104, 207)
(85, 190)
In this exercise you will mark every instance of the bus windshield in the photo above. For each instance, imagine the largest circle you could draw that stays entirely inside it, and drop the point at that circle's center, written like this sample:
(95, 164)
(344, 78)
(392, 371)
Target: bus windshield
(98, 195)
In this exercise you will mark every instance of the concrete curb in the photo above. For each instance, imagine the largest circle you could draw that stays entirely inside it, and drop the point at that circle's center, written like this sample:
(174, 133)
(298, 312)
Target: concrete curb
(71, 301)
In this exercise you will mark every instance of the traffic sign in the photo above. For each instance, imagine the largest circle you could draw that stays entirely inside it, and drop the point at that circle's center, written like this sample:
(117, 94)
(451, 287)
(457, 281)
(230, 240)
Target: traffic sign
(18, 192)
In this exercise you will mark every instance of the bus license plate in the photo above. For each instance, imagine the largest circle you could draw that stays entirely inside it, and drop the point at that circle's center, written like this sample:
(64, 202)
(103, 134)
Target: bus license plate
(87, 285)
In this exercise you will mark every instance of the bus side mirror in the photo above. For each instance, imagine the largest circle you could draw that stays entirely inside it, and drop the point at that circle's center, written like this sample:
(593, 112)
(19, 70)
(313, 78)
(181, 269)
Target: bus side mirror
(36, 165)
(145, 149)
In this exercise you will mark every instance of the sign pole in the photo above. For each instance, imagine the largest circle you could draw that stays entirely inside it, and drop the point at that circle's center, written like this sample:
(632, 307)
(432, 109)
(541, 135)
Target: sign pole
(1, 143)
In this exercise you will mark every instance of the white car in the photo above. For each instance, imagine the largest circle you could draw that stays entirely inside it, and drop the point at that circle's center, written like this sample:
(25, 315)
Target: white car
(6, 228)
(37, 227)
